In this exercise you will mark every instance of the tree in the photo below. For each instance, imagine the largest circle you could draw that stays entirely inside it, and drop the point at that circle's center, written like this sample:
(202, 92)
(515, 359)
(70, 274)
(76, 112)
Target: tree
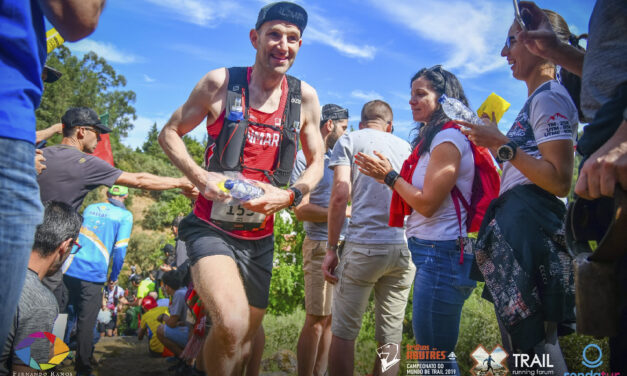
(89, 82)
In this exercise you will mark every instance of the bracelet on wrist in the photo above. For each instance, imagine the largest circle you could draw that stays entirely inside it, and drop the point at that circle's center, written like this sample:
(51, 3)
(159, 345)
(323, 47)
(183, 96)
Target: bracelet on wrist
(332, 247)
(391, 178)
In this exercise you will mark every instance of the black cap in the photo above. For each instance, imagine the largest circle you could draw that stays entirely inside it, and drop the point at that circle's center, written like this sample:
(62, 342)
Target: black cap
(333, 112)
(83, 116)
(50, 74)
(285, 11)
(168, 248)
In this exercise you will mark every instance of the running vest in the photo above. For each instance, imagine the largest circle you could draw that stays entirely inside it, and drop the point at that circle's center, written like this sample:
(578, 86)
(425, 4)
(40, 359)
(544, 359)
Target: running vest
(258, 145)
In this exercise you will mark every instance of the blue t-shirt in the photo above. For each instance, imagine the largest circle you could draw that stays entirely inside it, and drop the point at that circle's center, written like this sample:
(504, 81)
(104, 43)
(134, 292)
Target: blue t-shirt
(22, 57)
(104, 236)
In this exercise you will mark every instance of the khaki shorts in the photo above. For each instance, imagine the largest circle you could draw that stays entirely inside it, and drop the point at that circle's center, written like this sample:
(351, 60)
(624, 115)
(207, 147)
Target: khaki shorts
(318, 292)
(388, 269)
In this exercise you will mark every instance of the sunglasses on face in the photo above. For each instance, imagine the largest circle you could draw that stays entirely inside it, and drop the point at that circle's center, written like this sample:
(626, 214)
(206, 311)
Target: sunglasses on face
(509, 41)
(76, 247)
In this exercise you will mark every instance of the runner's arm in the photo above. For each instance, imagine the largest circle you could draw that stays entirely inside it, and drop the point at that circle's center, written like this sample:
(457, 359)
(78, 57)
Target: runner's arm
(311, 140)
(206, 100)
(74, 19)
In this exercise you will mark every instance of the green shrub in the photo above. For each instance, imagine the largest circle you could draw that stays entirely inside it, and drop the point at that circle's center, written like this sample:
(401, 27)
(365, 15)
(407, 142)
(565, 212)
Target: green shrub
(161, 214)
(287, 287)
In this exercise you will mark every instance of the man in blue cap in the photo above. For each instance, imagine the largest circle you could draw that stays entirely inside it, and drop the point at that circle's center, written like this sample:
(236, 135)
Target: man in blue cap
(255, 115)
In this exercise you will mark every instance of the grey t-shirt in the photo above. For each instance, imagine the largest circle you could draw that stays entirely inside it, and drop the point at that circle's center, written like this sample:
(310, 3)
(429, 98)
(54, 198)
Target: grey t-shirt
(180, 252)
(36, 312)
(370, 199)
(178, 306)
(604, 65)
(71, 174)
(320, 196)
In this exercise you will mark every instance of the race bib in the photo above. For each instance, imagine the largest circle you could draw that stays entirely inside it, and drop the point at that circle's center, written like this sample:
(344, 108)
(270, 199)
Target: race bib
(233, 216)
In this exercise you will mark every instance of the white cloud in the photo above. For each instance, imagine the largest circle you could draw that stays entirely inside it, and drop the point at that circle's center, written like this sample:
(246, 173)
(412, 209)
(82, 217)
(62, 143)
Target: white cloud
(149, 79)
(106, 50)
(366, 96)
(473, 32)
(323, 31)
(198, 12)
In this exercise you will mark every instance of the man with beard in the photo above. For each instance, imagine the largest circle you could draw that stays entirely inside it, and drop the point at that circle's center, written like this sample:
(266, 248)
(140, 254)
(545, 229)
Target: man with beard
(37, 308)
(315, 337)
(254, 117)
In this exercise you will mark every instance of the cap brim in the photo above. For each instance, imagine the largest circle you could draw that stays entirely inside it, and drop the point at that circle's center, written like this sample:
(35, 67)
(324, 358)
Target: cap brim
(51, 74)
(103, 129)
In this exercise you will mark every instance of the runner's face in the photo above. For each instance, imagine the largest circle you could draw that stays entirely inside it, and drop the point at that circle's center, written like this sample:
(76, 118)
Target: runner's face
(339, 127)
(277, 43)
(521, 61)
(423, 100)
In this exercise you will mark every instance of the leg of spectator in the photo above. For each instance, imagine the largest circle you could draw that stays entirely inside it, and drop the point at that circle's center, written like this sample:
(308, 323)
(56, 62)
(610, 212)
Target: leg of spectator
(218, 282)
(309, 343)
(21, 213)
(89, 296)
(341, 357)
(167, 342)
(254, 362)
(322, 360)
(551, 346)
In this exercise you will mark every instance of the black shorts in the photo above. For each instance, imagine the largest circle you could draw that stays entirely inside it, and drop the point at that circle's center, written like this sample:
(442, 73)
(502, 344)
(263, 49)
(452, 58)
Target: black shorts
(253, 257)
(102, 327)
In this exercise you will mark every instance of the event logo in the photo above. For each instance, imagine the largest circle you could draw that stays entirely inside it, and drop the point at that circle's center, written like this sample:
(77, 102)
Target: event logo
(587, 362)
(23, 350)
(389, 354)
(489, 363)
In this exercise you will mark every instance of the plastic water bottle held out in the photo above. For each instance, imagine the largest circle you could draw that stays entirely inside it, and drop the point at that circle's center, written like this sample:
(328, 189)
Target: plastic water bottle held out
(241, 189)
(456, 110)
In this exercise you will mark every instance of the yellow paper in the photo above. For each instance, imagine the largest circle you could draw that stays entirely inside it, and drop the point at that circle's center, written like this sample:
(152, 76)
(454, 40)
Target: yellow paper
(494, 103)
(53, 39)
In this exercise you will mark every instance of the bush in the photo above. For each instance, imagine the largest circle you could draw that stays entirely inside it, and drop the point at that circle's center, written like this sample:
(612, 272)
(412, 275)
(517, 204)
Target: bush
(287, 287)
(162, 213)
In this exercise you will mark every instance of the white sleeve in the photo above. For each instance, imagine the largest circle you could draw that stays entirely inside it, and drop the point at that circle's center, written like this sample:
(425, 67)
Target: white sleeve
(453, 136)
(553, 116)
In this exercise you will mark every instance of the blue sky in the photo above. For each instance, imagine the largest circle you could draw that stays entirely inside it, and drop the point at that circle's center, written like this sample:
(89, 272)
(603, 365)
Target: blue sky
(353, 50)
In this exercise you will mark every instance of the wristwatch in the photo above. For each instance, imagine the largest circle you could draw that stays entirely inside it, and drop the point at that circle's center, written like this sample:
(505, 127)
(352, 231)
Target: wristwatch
(507, 152)
(391, 178)
(298, 196)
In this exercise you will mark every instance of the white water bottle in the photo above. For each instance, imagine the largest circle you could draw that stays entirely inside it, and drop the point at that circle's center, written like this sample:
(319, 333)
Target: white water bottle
(456, 110)
(242, 190)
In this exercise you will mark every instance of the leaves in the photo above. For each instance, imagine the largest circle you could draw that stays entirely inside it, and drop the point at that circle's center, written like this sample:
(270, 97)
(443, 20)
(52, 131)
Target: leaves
(89, 82)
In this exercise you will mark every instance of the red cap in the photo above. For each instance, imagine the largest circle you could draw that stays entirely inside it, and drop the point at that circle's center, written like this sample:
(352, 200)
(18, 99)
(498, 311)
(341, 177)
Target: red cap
(149, 303)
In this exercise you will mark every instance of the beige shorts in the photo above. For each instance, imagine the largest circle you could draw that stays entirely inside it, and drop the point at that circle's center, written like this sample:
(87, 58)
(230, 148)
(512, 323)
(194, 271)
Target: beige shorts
(388, 269)
(318, 292)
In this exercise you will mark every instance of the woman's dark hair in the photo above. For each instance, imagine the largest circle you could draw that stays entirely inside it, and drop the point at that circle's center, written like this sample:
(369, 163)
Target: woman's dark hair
(571, 81)
(442, 82)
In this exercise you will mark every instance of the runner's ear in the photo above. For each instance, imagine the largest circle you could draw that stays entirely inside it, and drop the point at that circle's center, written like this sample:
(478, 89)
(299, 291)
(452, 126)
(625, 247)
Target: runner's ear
(254, 37)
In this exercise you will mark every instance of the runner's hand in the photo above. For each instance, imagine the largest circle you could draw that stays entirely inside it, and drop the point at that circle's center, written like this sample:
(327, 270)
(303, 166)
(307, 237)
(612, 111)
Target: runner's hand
(209, 187)
(328, 266)
(273, 200)
(486, 135)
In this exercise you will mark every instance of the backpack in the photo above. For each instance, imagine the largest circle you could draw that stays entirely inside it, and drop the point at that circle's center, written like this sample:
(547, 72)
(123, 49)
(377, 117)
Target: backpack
(485, 188)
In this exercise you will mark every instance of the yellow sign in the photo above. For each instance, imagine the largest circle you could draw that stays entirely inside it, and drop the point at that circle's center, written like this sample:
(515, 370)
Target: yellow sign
(494, 103)
(53, 39)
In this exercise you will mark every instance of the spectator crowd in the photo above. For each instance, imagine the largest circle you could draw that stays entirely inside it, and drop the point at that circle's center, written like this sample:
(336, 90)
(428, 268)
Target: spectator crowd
(460, 203)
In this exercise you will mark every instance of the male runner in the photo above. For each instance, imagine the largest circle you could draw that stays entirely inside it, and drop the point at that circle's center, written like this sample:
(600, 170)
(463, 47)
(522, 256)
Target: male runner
(253, 117)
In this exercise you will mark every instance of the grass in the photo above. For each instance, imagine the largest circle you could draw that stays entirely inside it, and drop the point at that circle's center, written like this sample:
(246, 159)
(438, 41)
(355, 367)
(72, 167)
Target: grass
(478, 326)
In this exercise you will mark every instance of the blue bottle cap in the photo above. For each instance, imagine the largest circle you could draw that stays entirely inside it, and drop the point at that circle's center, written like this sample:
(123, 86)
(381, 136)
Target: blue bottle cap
(235, 116)
(442, 98)
(228, 184)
